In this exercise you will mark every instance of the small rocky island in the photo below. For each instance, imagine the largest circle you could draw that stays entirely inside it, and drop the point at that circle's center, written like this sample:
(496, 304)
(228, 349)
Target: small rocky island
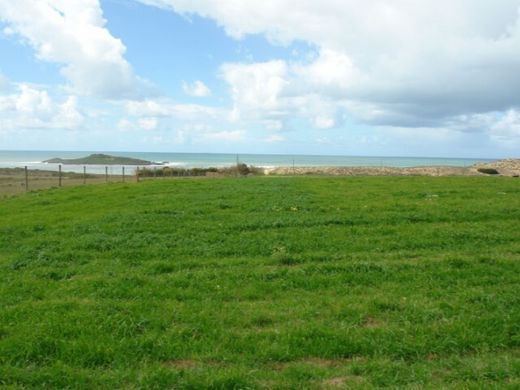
(100, 159)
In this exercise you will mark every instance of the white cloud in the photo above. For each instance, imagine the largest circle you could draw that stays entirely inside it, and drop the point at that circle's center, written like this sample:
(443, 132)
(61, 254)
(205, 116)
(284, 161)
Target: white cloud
(73, 34)
(32, 107)
(399, 63)
(68, 115)
(324, 122)
(167, 108)
(229, 136)
(506, 130)
(331, 72)
(275, 138)
(197, 89)
(4, 83)
(125, 125)
(33, 102)
(275, 92)
(275, 125)
(256, 86)
(258, 92)
(148, 123)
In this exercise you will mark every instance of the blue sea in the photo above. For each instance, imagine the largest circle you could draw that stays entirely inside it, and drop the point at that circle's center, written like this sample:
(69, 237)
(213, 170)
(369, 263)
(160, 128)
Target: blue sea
(34, 160)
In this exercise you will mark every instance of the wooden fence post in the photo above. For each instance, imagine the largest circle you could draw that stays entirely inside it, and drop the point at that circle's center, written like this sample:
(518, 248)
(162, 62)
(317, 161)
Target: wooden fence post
(137, 174)
(59, 175)
(84, 174)
(123, 174)
(26, 180)
(106, 174)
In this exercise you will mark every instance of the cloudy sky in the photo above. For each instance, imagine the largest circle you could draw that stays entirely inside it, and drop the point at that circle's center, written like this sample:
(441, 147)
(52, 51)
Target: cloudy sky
(349, 77)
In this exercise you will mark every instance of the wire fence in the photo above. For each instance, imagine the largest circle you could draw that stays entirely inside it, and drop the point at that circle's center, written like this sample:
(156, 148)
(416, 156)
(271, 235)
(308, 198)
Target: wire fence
(19, 180)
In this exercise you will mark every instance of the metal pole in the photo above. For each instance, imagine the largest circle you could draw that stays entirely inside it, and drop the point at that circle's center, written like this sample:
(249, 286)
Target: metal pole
(123, 174)
(59, 175)
(84, 174)
(26, 180)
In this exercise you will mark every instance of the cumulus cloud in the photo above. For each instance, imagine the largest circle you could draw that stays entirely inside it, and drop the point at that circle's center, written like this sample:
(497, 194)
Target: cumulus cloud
(4, 83)
(167, 108)
(399, 63)
(148, 123)
(506, 130)
(275, 138)
(274, 92)
(230, 136)
(195, 124)
(73, 34)
(197, 89)
(32, 107)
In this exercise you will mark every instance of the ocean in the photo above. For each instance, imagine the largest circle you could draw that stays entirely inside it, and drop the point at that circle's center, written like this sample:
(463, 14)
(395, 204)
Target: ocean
(34, 160)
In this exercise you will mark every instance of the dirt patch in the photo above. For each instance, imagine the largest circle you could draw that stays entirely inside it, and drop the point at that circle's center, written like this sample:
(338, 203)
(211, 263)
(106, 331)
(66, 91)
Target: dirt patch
(343, 381)
(317, 362)
(323, 363)
(185, 364)
(190, 364)
(370, 323)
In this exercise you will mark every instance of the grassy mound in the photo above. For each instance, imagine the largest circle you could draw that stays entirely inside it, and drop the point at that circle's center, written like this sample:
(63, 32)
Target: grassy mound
(100, 159)
(263, 283)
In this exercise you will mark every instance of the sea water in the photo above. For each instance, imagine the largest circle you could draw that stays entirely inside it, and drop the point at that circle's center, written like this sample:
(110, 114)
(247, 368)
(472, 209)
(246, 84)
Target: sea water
(34, 160)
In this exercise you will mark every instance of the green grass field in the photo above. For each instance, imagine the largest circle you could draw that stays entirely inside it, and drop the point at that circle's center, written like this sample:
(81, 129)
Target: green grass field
(270, 283)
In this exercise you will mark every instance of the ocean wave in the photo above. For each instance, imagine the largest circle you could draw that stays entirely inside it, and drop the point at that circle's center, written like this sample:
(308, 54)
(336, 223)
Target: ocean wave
(172, 163)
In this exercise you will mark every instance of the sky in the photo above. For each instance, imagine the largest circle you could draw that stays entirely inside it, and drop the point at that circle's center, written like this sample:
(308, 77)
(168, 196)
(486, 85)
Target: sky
(339, 77)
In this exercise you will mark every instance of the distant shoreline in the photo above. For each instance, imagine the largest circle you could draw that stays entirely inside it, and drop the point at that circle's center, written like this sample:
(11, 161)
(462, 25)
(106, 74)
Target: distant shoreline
(34, 160)
(510, 167)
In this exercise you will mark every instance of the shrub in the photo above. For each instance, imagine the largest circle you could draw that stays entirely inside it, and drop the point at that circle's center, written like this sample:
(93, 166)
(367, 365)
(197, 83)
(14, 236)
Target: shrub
(240, 169)
(488, 171)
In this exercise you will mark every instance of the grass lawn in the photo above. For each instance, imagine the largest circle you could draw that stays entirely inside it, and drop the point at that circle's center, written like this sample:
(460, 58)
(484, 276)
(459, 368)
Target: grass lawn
(275, 283)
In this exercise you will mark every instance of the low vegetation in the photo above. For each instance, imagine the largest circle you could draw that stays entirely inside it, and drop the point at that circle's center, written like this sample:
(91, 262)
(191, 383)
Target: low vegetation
(234, 170)
(263, 282)
(488, 171)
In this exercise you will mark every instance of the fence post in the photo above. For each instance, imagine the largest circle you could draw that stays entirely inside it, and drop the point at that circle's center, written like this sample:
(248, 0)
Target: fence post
(106, 174)
(59, 175)
(137, 174)
(26, 180)
(123, 174)
(84, 174)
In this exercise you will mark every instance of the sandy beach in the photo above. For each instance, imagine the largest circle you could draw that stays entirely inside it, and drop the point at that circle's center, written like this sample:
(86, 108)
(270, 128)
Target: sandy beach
(509, 167)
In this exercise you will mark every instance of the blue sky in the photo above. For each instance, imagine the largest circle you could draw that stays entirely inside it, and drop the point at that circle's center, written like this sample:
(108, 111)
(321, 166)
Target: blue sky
(282, 76)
